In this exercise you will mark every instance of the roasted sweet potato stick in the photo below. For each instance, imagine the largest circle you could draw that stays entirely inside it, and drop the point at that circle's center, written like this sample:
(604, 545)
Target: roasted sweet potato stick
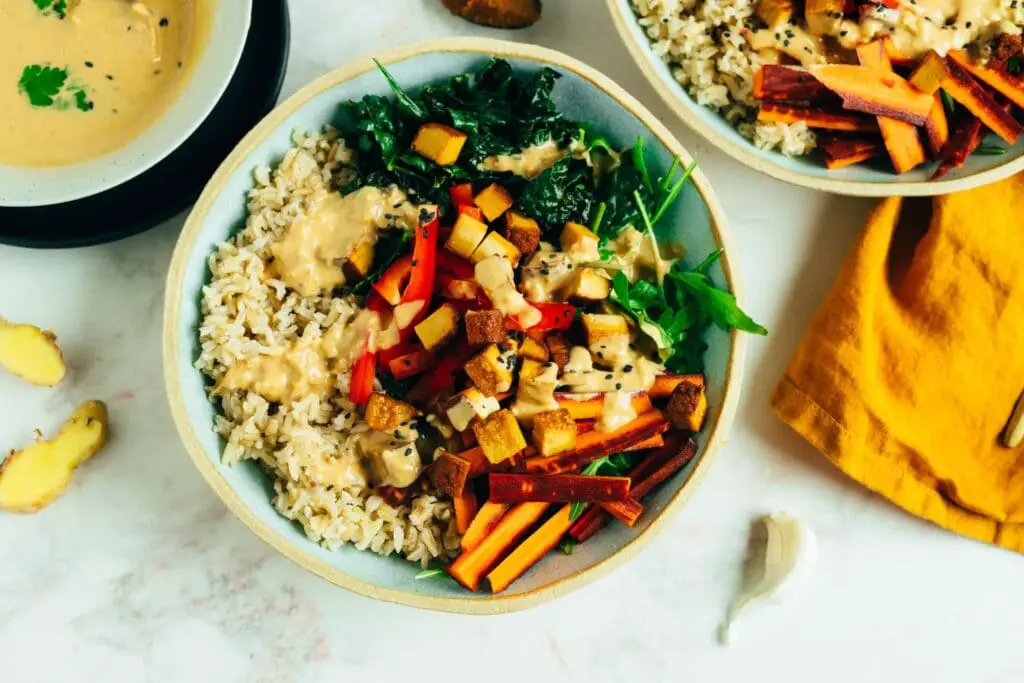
(962, 87)
(875, 91)
(591, 408)
(815, 118)
(483, 523)
(1009, 86)
(630, 513)
(778, 83)
(530, 551)
(470, 567)
(901, 138)
(594, 445)
(465, 510)
(557, 488)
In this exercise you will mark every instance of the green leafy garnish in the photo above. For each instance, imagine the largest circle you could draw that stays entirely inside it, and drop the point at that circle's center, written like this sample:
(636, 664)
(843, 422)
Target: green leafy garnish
(948, 102)
(990, 151)
(82, 100)
(59, 7)
(677, 315)
(1013, 65)
(430, 574)
(42, 83)
(567, 546)
(562, 193)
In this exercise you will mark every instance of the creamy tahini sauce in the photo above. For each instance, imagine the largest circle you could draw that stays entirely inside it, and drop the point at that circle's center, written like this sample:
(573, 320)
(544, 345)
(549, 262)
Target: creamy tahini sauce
(310, 255)
(496, 276)
(129, 60)
(529, 163)
(917, 27)
(537, 394)
(298, 372)
(640, 257)
(391, 459)
(549, 274)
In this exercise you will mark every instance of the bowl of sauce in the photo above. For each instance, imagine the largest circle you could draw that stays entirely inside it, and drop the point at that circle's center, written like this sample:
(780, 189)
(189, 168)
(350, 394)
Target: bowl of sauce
(95, 92)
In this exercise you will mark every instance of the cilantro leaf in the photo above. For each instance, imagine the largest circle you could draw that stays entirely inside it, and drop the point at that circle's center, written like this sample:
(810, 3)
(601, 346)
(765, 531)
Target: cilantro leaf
(82, 100)
(41, 83)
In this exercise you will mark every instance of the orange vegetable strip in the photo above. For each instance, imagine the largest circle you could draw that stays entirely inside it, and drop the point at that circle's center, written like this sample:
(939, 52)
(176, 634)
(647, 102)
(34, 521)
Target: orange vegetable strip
(655, 441)
(594, 445)
(875, 91)
(777, 83)
(530, 551)
(478, 462)
(626, 511)
(629, 513)
(558, 488)
(901, 139)
(664, 385)
(1009, 86)
(962, 87)
(465, 510)
(487, 517)
(470, 567)
(814, 118)
(853, 158)
(592, 521)
(591, 408)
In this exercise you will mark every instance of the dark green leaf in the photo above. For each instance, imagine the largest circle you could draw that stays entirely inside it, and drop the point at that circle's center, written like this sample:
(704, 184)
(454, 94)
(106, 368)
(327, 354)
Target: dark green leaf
(82, 101)
(721, 305)
(568, 545)
(1013, 65)
(41, 83)
(562, 193)
(406, 104)
(389, 246)
(990, 151)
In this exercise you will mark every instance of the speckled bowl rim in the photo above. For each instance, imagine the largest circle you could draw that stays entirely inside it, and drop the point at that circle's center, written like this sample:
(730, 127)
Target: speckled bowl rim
(496, 604)
(675, 98)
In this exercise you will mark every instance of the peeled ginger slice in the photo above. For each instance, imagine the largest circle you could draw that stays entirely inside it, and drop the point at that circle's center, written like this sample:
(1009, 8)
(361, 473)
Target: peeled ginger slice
(33, 478)
(31, 353)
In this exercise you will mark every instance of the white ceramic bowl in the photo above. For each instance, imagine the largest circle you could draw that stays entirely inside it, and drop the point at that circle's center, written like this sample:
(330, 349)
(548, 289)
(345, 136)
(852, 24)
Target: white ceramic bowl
(210, 77)
(696, 220)
(859, 180)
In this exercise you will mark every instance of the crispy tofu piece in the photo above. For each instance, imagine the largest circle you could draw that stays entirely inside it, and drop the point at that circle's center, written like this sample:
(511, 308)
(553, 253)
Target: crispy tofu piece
(823, 16)
(384, 413)
(439, 143)
(489, 371)
(530, 369)
(559, 347)
(449, 473)
(588, 285)
(359, 261)
(600, 326)
(775, 12)
(579, 240)
(493, 200)
(523, 232)
(469, 405)
(554, 432)
(499, 436)
(533, 349)
(466, 236)
(485, 327)
(687, 407)
(438, 328)
(496, 245)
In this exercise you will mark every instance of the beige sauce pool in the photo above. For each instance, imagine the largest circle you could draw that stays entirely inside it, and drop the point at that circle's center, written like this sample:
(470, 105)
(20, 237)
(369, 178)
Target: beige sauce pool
(129, 60)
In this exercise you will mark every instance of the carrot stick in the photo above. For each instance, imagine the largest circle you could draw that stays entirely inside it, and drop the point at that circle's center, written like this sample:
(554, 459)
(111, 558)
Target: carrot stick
(559, 488)
(530, 551)
(592, 521)
(628, 512)
(655, 441)
(465, 510)
(593, 445)
(591, 408)
(470, 567)
(483, 523)
(478, 462)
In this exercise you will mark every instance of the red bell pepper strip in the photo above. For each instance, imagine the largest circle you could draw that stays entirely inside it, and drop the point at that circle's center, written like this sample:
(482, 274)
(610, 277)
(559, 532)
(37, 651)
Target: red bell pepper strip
(375, 302)
(456, 265)
(390, 284)
(448, 368)
(554, 316)
(424, 259)
(410, 364)
(462, 195)
(361, 385)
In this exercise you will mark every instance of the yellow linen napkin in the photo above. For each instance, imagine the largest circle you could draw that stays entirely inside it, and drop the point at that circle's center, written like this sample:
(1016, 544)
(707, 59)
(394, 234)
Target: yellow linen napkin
(910, 370)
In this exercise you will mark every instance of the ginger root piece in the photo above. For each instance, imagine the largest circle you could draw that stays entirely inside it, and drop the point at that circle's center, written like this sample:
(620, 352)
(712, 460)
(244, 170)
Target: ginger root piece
(33, 478)
(497, 13)
(31, 353)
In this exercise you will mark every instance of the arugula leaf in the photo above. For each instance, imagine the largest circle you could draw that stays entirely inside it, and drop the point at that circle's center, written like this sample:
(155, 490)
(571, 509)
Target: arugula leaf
(576, 510)
(618, 194)
(721, 305)
(990, 151)
(430, 574)
(41, 83)
(568, 545)
(610, 466)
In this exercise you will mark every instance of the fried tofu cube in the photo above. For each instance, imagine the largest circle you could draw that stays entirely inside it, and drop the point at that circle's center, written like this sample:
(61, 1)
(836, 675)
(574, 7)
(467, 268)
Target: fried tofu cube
(493, 200)
(489, 371)
(439, 143)
(533, 349)
(449, 473)
(580, 241)
(485, 327)
(384, 413)
(600, 326)
(496, 245)
(554, 432)
(359, 261)
(438, 328)
(688, 407)
(521, 231)
(499, 436)
(466, 236)
(530, 369)
(470, 405)
(589, 285)
(559, 348)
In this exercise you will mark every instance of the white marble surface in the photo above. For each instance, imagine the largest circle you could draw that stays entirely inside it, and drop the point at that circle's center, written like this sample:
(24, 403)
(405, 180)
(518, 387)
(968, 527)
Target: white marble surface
(140, 574)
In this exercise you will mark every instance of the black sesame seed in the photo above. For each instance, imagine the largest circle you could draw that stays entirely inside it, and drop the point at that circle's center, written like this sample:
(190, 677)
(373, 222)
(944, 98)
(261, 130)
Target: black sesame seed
(110, 77)
(608, 376)
(570, 266)
(408, 363)
(789, 34)
(181, 64)
(165, 22)
(408, 451)
(156, 72)
(778, 36)
(785, 43)
(88, 65)
(618, 386)
(415, 262)
(545, 271)
(600, 355)
(843, 32)
(628, 368)
(968, 24)
(398, 434)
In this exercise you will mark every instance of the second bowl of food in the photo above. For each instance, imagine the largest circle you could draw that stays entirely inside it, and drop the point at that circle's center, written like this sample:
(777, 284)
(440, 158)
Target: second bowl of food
(461, 309)
(886, 97)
